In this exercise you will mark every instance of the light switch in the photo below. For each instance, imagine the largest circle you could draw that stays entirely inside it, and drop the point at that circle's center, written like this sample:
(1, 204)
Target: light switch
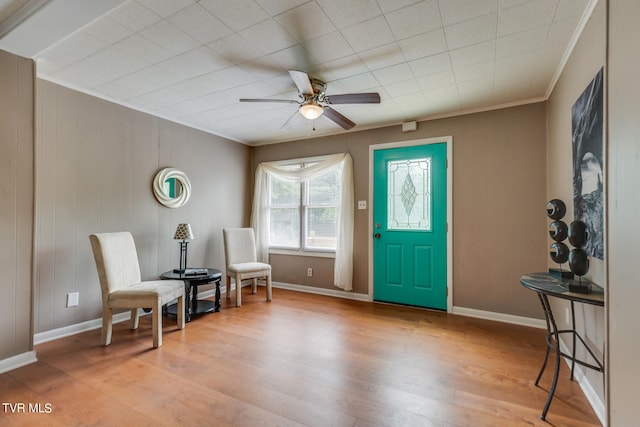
(362, 204)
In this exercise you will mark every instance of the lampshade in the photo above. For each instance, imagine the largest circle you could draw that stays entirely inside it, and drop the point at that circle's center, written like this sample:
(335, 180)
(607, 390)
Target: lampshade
(183, 232)
(311, 110)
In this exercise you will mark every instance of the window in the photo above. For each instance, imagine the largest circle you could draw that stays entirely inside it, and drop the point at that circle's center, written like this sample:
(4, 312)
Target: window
(304, 215)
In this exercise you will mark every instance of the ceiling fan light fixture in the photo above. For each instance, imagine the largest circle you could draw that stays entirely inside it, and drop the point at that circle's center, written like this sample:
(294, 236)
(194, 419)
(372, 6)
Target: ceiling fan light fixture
(311, 110)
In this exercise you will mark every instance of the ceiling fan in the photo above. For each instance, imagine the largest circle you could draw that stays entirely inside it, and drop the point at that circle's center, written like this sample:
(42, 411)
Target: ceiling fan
(314, 102)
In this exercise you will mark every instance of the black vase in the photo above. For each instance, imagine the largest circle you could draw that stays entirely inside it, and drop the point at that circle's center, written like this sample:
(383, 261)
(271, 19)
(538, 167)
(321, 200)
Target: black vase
(558, 231)
(578, 262)
(559, 252)
(556, 209)
(578, 234)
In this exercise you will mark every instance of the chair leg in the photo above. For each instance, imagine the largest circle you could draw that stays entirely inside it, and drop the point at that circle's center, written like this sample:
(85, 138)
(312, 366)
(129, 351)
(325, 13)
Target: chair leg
(180, 314)
(133, 321)
(107, 326)
(156, 324)
(238, 291)
(254, 285)
(228, 286)
(269, 287)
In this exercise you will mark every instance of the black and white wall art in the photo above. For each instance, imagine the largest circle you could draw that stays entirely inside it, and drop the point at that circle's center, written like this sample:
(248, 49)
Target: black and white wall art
(588, 163)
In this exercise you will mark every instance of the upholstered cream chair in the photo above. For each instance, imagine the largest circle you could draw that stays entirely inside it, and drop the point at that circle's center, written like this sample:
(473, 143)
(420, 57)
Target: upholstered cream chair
(122, 287)
(241, 261)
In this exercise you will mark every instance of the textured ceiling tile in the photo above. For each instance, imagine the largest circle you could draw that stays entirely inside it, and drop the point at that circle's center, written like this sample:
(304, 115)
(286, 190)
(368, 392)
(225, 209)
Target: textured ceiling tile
(200, 24)
(347, 13)
(431, 64)
(206, 59)
(170, 37)
(478, 72)
(165, 8)
(329, 47)
(107, 30)
(415, 19)
(381, 57)
(402, 88)
(391, 5)
(69, 51)
(481, 52)
(275, 7)
(268, 37)
(571, 9)
(526, 16)
(237, 14)
(134, 16)
(521, 42)
(437, 80)
(143, 49)
(369, 34)
(306, 22)
(235, 49)
(472, 31)
(394, 74)
(423, 45)
(454, 11)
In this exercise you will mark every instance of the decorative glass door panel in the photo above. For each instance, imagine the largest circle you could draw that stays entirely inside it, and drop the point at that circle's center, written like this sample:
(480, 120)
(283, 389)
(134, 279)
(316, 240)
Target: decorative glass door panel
(409, 194)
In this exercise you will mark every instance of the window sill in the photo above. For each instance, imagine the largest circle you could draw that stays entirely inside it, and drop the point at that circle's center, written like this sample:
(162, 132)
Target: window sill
(293, 252)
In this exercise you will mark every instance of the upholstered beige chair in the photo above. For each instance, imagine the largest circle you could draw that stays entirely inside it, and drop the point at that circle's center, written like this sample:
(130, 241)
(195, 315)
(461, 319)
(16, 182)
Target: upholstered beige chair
(122, 287)
(241, 261)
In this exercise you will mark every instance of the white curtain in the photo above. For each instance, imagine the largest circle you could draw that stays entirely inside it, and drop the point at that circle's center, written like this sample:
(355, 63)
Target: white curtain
(343, 270)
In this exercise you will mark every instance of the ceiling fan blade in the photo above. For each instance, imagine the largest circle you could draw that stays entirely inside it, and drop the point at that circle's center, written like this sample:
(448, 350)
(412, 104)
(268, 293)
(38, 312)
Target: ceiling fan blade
(301, 79)
(354, 98)
(285, 101)
(338, 118)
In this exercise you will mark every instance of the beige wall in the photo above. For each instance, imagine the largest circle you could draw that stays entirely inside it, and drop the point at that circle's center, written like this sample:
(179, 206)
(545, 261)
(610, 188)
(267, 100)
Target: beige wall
(587, 58)
(16, 204)
(624, 205)
(498, 204)
(95, 164)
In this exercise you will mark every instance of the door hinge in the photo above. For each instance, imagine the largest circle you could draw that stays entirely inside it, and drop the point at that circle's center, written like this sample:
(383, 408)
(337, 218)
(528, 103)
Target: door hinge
(447, 227)
(447, 288)
(447, 163)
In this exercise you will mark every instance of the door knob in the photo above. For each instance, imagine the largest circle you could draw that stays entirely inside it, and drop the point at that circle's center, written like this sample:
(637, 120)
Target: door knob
(377, 235)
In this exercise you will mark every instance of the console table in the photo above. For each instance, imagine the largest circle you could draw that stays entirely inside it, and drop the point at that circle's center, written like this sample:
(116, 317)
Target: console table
(191, 282)
(546, 285)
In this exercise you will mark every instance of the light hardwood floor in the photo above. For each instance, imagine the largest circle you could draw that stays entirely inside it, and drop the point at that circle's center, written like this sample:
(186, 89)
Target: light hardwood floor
(302, 359)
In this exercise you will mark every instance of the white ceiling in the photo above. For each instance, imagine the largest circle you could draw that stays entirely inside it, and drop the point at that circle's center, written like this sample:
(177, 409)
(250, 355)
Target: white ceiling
(190, 61)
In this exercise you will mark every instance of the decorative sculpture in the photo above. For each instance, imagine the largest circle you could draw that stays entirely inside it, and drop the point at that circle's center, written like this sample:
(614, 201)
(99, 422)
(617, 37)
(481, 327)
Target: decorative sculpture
(558, 230)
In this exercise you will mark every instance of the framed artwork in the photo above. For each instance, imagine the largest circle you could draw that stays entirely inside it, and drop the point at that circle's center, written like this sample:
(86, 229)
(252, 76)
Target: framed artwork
(588, 163)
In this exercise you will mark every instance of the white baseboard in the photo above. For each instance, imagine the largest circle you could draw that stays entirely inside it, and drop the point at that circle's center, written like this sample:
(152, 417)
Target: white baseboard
(596, 403)
(499, 317)
(77, 328)
(323, 291)
(17, 361)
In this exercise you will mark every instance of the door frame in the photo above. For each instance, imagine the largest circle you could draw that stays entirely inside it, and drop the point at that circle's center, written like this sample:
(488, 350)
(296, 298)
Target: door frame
(410, 143)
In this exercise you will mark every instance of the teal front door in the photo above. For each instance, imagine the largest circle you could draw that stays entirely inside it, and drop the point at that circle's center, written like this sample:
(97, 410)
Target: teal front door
(410, 225)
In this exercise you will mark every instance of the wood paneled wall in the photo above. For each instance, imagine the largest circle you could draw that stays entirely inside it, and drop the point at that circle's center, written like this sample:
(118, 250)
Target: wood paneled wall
(499, 191)
(95, 164)
(16, 204)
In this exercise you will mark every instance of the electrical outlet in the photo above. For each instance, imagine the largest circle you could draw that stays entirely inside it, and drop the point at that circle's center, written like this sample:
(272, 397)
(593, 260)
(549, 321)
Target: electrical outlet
(362, 204)
(73, 299)
(309, 272)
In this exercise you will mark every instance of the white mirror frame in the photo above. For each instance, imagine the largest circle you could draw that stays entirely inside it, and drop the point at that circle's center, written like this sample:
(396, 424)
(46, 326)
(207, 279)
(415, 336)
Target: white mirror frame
(164, 198)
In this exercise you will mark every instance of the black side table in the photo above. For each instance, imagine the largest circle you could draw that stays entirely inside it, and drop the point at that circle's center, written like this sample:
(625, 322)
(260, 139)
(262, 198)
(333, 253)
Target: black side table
(191, 282)
(546, 285)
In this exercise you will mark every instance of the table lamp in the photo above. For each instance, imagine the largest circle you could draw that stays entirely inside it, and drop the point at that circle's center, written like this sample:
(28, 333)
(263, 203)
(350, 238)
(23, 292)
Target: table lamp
(184, 233)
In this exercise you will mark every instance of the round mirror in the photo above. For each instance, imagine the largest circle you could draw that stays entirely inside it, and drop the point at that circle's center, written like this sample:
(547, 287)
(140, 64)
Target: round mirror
(171, 187)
